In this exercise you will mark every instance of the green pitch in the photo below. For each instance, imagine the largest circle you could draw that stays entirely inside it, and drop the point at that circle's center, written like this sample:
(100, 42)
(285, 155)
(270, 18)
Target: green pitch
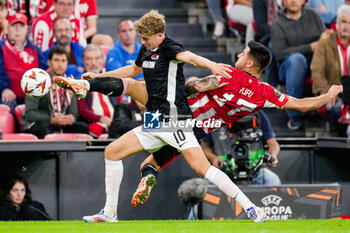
(179, 226)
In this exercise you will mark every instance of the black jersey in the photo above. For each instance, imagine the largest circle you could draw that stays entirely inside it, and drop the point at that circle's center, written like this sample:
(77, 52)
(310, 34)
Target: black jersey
(165, 80)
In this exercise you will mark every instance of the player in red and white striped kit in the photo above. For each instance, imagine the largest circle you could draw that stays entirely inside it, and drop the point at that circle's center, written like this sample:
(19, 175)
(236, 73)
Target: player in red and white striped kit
(237, 97)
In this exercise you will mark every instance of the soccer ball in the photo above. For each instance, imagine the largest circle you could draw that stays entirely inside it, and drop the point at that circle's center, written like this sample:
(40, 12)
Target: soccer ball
(36, 82)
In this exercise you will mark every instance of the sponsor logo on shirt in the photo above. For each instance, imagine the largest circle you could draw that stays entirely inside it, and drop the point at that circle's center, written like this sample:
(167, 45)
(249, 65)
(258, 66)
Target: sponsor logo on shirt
(277, 93)
(148, 64)
(155, 56)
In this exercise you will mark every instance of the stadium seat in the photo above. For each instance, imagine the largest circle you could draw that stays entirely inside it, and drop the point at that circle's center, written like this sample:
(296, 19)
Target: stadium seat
(4, 108)
(19, 110)
(7, 122)
(237, 26)
(19, 137)
(67, 136)
(103, 136)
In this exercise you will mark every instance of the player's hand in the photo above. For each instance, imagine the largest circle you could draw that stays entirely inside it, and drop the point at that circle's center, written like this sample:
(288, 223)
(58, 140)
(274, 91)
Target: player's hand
(221, 69)
(8, 95)
(334, 90)
(88, 76)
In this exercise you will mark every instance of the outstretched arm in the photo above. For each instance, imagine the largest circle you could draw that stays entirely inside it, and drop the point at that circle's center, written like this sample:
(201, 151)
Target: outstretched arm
(196, 60)
(308, 104)
(129, 71)
(194, 84)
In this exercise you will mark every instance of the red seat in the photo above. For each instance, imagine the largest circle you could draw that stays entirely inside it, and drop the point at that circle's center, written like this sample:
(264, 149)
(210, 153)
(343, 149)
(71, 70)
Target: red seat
(67, 136)
(239, 27)
(19, 110)
(19, 137)
(7, 122)
(103, 136)
(4, 108)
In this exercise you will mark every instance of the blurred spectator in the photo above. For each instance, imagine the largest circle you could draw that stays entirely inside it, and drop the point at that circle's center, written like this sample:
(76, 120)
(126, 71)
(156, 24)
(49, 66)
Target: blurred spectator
(96, 109)
(265, 12)
(126, 50)
(326, 9)
(102, 39)
(240, 11)
(331, 62)
(62, 30)
(17, 55)
(3, 20)
(32, 9)
(86, 11)
(43, 27)
(214, 7)
(105, 42)
(127, 115)
(16, 202)
(57, 111)
(294, 36)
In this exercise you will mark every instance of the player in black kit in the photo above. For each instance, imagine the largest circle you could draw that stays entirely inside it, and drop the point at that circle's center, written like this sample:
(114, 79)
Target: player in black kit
(161, 60)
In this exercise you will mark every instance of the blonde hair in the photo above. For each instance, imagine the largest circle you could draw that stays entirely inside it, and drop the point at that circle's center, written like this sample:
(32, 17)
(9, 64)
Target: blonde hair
(150, 23)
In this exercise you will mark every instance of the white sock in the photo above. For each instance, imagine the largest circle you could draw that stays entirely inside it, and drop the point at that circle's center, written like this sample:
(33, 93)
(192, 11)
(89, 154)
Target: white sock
(113, 179)
(224, 183)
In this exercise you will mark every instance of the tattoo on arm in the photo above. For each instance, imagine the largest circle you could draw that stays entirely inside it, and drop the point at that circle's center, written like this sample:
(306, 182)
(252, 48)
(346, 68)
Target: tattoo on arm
(205, 84)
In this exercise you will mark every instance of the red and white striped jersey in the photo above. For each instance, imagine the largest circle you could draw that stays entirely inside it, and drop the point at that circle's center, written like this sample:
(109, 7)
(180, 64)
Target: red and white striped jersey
(43, 30)
(83, 10)
(237, 97)
(36, 7)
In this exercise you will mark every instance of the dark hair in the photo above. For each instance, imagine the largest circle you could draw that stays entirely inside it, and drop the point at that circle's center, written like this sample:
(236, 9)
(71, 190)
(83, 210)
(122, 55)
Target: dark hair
(3, 4)
(260, 54)
(122, 20)
(10, 182)
(57, 0)
(57, 50)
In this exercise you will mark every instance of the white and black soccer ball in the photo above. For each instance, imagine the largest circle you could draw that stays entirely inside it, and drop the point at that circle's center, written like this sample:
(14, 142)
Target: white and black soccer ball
(36, 82)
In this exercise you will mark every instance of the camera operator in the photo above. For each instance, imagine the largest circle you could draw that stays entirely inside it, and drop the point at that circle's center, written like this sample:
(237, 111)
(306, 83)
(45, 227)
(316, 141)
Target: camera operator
(263, 176)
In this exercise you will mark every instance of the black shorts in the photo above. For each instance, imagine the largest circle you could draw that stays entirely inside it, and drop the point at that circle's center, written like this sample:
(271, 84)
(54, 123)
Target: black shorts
(167, 154)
